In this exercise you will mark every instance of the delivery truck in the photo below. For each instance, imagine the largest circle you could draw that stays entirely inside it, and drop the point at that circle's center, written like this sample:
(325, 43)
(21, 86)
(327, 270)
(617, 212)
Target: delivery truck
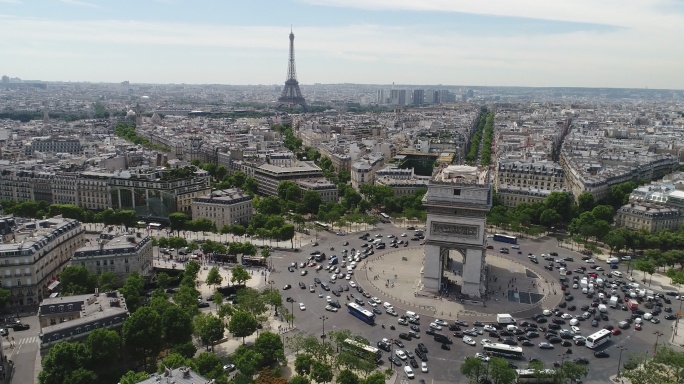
(613, 301)
(504, 318)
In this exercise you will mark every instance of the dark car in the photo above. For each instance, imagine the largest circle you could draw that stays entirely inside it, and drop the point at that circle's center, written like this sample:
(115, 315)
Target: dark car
(461, 323)
(429, 331)
(532, 335)
(24, 326)
(446, 347)
(454, 327)
(286, 287)
(384, 346)
(422, 356)
(541, 320)
(203, 304)
(317, 280)
(581, 360)
(601, 354)
(555, 340)
(289, 300)
(398, 343)
(395, 361)
(302, 285)
(554, 326)
(670, 316)
(422, 348)
(414, 328)
(509, 342)
(405, 336)
(413, 363)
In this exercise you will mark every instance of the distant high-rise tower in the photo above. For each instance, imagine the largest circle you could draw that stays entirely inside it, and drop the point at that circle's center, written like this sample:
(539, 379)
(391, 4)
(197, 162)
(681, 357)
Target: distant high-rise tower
(380, 96)
(46, 115)
(417, 96)
(291, 94)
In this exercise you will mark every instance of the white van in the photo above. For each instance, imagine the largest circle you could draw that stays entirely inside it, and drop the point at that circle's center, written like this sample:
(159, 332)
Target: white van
(350, 270)
(412, 314)
(616, 273)
(612, 260)
(387, 305)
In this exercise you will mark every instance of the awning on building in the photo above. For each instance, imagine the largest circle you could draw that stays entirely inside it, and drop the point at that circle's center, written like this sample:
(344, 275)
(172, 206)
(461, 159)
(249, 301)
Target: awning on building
(53, 285)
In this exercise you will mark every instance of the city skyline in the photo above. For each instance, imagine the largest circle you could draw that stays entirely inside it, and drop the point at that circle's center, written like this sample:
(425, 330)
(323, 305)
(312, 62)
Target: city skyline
(622, 44)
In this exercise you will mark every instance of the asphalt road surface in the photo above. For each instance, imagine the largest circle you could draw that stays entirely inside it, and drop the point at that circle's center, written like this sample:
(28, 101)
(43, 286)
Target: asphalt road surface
(444, 365)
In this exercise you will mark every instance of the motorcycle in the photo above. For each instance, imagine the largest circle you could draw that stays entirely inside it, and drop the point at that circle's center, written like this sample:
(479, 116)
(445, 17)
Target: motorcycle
(332, 248)
(392, 327)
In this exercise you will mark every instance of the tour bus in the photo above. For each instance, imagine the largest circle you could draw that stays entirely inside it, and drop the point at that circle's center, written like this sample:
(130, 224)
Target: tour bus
(597, 338)
(543, 376)
(505, 238)
(364, 351)
(322, 225)
(364, 315)
(384, 217)
(504, 350)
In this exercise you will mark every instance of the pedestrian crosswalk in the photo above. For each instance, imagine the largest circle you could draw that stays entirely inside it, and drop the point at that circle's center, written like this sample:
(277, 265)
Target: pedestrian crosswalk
(21, 341)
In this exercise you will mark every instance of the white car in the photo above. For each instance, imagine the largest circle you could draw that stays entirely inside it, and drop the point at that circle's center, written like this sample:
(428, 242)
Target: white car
(574, 322)
(516, 246)
(372, 303)
(490, 236)
(577, 338)
(626, 258)
(489, 328)
(403, 235)
(590, 261)
(402, 321)
(376, 300)
(409, 372)
(423, 367)
(328, 299)
(441, 322)
(436, 326)
(469, 341)
(330, 308)
(575, 329)
(348, 277)
(400, 354)
(302, 307)
(482, 356)
(566, 316)
(485, 341)
(352, 284)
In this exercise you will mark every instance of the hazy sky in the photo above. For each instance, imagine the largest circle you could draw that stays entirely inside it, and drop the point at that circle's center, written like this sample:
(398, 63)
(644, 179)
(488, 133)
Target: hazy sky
(594, 43)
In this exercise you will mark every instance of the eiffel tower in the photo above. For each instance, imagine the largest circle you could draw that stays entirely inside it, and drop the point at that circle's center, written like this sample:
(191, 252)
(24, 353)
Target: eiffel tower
(291, 94)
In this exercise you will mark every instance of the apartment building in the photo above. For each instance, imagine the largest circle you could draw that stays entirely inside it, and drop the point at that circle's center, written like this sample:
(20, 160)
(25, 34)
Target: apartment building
(648, 217)
(363, 170)
(523, 174)
(511, 196)
(58, 145)
(33, 253)
(325, 188)
(72, 318)
(121, 254)
(269, 176)
(403, 187)
(224, 207)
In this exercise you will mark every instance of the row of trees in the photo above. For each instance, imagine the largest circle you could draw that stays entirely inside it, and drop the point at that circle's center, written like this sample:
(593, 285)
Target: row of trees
(474, 148)
(127, 131)
(486, 155)
(41, 209)
(499, 371)
(324, 360)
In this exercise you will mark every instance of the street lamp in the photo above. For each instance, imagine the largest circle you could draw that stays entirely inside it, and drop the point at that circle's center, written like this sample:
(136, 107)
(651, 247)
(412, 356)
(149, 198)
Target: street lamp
(655, 347)
(621, 348)
(292, 314)
(323, 318)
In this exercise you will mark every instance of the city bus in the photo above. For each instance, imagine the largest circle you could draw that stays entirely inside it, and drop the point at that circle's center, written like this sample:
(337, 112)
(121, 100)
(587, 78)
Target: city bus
(322, 225)
(505, 238)
(141, 224)
(362, 350)
(597, 338)
(504, 350)
(544, 376)
(384, 217)
(156, 226)
(363, 314)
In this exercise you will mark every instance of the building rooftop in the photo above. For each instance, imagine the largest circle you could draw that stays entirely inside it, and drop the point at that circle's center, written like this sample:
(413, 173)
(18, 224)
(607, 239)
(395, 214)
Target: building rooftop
(182, 375)
(462, 174)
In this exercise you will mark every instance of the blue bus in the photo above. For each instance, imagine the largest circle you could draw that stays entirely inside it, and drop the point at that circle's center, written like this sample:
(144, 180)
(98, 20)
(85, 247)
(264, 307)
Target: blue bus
(506, 238)
(364, 315)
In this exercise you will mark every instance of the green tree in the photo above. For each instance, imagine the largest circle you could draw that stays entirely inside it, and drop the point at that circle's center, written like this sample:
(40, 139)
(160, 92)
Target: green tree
(270, 347)
(251, 186)
(667, 366)
(142, 334)
(176, 325)
(311, 202)
(132, 290)
(108, 281)
(473, 368)
(321, 372)
(62, 359)
(289, 191)
(303, 363)
(572, 372)
(173, 361)
(103, 348)
(347, 377)
(615, 241)
(163, 280)
(242, 324)
(500, 372)
(251, 301)
(208, 328)
(239, 275)
(562, 203)
(375, 378)
(550, 218)
(5, 296)
(603, 212)
(645, 266)
(76, 280)
(192, 269)
(247, 360)
(133, 377)
(214, 277)
(177, 221)
(186, 298)
(80, 376)
(208, 365)
(186, 350)
(299, 380)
